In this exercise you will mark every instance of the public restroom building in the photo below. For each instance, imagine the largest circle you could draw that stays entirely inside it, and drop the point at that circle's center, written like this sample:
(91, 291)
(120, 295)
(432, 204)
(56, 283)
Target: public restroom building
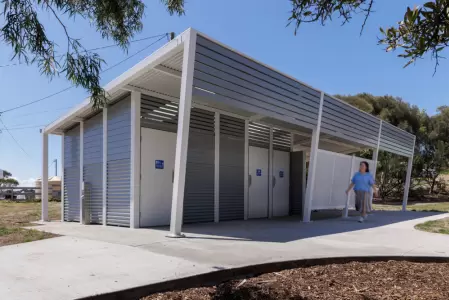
(199, 132)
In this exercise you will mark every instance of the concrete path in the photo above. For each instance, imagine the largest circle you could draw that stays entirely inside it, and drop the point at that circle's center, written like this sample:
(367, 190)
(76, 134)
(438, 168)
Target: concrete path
(89, 260)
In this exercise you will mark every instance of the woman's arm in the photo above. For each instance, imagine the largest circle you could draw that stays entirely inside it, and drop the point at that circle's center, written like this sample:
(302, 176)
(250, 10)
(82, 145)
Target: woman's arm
(350, 188)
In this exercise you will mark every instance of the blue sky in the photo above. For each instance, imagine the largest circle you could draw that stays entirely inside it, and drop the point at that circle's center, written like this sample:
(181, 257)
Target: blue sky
(333, 58)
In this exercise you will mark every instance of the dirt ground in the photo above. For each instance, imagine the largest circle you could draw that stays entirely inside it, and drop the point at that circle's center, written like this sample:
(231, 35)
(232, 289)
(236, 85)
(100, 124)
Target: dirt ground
(354, 280)
(14, 215)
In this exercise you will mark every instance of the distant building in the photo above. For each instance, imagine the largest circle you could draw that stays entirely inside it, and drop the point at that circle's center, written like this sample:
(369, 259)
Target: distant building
(54, 187)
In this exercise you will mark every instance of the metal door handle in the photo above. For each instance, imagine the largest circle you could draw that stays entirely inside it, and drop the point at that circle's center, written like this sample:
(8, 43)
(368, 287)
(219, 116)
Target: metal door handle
(274, 181)
(250, 179)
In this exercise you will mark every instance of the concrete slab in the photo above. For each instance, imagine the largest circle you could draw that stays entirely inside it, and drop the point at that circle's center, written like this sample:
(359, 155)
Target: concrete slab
(97, 259)
(69, 268)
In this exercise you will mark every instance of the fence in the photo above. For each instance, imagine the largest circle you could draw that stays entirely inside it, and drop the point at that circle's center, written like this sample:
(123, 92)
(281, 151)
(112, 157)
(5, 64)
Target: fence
(27, 193)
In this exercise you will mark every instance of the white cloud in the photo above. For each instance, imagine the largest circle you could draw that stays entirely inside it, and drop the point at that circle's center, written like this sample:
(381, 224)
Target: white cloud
(30, 182)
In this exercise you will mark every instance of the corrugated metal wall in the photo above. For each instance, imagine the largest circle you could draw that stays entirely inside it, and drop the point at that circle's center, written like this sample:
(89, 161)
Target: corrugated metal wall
(199, 188)
(119, 163)
(345, 121)
(72, 174)
(232, 165)
(93, 169)
(395, 140)
(238, 81)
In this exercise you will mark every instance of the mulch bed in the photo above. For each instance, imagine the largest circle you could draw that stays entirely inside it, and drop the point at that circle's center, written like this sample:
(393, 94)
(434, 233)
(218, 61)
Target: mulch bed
(354, 280)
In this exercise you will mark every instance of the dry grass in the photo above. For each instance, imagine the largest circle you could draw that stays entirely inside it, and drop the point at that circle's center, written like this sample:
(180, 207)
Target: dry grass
(430, 207)
(437, 226)
(15, 215)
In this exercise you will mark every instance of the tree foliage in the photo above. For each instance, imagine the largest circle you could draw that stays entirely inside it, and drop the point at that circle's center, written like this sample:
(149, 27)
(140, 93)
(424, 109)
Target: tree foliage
(23, 30)
(432, 139)
(423, 28)
(8, 182)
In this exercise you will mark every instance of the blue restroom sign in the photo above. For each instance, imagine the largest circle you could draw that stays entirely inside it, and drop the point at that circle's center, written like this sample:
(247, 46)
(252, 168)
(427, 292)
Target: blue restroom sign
(281, 174)
(258, 172)
(159, 164)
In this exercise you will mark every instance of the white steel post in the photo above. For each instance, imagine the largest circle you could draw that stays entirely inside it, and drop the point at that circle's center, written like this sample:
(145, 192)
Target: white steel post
(217, 169)
(348, 197)
(105, 163)
(307, 209)
(62, 177)
(135, 159)
(374, 168)
(246, 172)
(407, 181)
(44, 186)
(82, 187)
(185, 105)
(270, 175)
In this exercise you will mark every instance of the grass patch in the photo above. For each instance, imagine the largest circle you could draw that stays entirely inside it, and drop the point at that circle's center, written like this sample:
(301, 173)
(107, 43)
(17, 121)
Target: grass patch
(424, 207)
(15, 215)
(437, 226)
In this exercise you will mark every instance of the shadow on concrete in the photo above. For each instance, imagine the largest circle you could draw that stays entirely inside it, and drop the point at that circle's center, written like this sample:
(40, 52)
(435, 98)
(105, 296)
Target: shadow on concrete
(287, 229)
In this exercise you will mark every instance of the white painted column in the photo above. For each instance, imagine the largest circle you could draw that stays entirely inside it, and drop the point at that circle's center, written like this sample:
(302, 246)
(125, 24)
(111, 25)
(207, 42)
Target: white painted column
(82, 187)
(270, 175)
(407, 181)
(348, 197)
(44, 186)
(105, 163)
(307, 208)
(135, 159)
(217, 169)
(185, 105)
(246, 177)
(62, 177)
(374, 168)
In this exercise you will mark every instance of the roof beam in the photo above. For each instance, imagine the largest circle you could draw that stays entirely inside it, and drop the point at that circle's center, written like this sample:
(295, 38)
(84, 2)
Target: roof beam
(168, 71)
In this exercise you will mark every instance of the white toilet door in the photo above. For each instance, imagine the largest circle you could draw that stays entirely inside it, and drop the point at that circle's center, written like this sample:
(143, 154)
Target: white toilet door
(156, 185)
(258, 182)
(281, 189)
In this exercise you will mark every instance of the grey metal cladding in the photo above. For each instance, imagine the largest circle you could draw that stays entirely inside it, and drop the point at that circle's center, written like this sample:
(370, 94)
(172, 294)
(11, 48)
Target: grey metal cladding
(72, 175)
(93, 168)
(232, 161)
(343, 120)
(200, 169)
(258, 135)
(158, 114)
(395, 140)
(119, 164)
(244, 83)
(282, 140)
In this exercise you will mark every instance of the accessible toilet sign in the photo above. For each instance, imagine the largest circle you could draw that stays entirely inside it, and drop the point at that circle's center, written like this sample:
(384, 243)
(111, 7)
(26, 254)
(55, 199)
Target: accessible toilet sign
(159, 164)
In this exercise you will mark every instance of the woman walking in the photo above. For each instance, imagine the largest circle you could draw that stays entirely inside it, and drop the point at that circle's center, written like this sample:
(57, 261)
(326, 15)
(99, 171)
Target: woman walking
(362, 182)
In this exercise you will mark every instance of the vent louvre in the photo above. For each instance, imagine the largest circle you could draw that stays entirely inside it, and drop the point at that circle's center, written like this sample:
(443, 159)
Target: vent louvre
(259, 135)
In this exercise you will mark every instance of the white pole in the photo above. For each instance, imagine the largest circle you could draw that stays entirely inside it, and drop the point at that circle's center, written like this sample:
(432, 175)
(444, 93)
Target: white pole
(135, 160)
(185, 105)
(62, 177)
(407, 182)
(44, 187)
(246, 172)
(374, 169)
(217, 169)
(105, 163)
(348, 197)
(307, 209)
(82, 187)
(270, 175)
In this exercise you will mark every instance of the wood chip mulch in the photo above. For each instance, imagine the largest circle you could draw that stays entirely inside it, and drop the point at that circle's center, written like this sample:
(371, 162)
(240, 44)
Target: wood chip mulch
(355, 280)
